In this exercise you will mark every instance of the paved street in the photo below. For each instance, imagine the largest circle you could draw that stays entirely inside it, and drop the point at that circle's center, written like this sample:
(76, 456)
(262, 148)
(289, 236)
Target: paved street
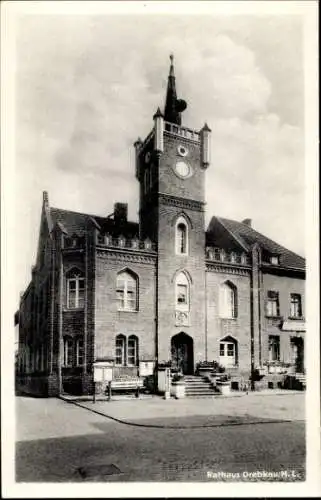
(59, 441)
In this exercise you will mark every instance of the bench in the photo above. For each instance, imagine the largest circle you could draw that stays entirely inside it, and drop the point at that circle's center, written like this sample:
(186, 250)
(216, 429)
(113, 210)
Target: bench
(125, 384)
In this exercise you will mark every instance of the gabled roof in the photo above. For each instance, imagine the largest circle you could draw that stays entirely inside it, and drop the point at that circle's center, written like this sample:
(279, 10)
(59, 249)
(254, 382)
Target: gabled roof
(77, 223)
(226, 230)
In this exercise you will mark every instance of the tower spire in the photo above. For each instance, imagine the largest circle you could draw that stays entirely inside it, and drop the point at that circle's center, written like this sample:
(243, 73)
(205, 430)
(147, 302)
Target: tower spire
(173, 106)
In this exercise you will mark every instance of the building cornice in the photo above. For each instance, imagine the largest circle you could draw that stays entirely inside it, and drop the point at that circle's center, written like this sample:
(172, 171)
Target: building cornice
(282, 271)
(176, 201)
(126, 255)
(225, 268)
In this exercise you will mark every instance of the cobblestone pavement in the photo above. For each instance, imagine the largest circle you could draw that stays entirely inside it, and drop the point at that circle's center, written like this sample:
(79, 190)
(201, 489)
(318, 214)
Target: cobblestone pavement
(59, 442)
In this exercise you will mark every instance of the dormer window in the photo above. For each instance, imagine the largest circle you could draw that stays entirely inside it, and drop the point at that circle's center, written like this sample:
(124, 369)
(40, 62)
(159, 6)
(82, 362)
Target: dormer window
(274, 260)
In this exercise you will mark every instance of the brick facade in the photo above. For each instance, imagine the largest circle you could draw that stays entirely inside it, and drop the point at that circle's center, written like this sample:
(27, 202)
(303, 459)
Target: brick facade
(228, 265)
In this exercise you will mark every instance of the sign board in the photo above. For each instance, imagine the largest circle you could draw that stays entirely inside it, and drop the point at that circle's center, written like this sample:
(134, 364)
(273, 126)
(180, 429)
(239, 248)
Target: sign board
(146, 368)
(102, 373)
(98, 374)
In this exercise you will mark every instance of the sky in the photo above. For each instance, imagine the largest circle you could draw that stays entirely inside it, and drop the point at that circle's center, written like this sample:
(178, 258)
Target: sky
(87, 86)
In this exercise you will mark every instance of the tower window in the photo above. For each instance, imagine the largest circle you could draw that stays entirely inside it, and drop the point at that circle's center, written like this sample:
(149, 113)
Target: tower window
(75, 290)
(182, 292)
(181, 237)
(146, 181)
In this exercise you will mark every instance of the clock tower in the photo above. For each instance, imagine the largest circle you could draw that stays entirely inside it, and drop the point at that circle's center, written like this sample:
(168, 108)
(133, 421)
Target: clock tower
(170, 167)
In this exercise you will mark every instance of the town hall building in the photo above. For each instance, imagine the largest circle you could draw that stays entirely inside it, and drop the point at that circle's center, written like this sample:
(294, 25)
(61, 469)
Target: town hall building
(161, 292)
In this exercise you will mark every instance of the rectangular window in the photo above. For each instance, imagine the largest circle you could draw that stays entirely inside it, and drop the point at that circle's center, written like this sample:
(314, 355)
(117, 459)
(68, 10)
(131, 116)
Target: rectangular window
(72, 293)
(230, 349)
(296, 306)
(81, 292)
(272, 305)
(80, 352)
(274, 348)
(68, 352)
(76, 293)
(275, 259)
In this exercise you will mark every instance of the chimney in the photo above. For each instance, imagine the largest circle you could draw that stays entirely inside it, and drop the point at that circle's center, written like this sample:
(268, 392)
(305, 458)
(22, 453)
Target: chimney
(120, 213)
(247, 222)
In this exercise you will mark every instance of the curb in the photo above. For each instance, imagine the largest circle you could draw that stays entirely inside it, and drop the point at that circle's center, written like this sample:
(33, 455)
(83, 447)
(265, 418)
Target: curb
(159, 426)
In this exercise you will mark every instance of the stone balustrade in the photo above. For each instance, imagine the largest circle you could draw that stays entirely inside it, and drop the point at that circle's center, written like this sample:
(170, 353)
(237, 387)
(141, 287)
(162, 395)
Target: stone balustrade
(221, 255)
(188, 133)
(120, 242)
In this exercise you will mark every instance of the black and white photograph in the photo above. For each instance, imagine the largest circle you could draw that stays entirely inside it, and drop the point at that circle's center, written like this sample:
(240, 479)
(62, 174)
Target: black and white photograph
(159, 249)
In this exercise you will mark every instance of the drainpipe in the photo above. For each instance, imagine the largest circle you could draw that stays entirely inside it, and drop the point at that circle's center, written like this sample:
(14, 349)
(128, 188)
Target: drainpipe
(52, 308)
(156, 324)
(260, 279)
(205, 315)
(60, 339)
(85, 310)
(252, 330)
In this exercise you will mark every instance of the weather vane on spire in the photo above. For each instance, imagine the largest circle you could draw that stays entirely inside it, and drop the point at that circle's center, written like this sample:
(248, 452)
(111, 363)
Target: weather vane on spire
(173, 106)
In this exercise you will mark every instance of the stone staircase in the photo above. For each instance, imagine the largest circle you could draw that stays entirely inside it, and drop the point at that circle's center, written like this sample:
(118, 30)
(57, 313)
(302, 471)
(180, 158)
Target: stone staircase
(198, 387)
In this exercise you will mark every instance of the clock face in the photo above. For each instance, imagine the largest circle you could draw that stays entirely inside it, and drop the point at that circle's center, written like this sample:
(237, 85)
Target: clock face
(183, 169)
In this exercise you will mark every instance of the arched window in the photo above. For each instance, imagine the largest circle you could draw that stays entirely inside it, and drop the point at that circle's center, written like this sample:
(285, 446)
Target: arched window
(228, 352)
(182, 292)
(228, 300)
(181, 237)
(68, 354)
(75, 289)
(127, 291)
(126, 350)
(120, 349)
(132, 350)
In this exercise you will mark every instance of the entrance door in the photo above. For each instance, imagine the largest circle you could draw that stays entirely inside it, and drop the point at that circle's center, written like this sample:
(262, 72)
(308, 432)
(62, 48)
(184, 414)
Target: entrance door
(182, 353)
(298, 353)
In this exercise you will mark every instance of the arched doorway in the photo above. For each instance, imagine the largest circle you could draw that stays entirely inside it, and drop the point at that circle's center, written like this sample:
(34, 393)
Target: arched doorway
(182, 353)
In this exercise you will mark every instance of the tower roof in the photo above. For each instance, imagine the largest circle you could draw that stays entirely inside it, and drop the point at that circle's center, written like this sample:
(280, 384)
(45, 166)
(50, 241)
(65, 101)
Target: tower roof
(173, 106)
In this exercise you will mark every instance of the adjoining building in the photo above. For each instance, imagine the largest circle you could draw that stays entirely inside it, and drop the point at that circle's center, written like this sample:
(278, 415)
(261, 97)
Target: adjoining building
(138, 296)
